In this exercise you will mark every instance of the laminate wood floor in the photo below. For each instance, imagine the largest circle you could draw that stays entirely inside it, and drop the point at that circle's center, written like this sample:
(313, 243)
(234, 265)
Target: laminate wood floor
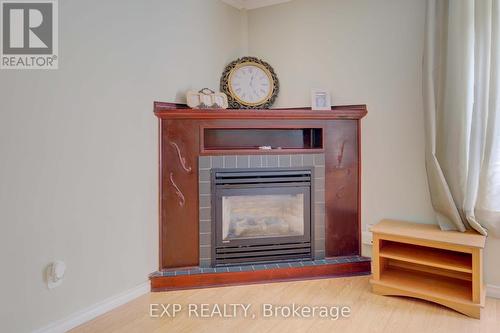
(369, 313)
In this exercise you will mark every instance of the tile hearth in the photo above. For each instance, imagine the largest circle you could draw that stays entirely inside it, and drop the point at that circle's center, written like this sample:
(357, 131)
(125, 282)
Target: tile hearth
(257, 267)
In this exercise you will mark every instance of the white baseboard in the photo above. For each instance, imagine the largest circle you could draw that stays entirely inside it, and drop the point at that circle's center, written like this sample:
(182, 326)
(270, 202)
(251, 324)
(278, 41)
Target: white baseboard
(492, 291)
(95, 310)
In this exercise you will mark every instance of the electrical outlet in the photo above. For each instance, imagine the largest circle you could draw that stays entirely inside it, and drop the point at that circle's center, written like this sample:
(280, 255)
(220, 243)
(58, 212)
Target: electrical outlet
(55, 273)
(366, 236)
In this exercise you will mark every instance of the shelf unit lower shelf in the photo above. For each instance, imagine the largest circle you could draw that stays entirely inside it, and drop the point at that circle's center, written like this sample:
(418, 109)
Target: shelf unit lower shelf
(452, 260)
(443, 288)
(439, 266)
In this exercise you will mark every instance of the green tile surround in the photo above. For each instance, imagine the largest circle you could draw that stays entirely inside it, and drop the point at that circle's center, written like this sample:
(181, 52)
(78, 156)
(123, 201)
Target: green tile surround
(206, 163)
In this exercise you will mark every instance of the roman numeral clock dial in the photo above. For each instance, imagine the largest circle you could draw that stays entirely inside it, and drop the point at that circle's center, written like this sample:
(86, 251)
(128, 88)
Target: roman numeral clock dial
(249, 83)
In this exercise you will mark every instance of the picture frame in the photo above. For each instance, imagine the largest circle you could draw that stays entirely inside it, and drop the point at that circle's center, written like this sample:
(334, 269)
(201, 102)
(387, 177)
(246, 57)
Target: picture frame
(320, 99)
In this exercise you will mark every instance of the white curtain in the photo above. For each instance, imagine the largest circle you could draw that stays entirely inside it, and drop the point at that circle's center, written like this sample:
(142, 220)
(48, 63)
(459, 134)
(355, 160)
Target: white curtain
(461, 83)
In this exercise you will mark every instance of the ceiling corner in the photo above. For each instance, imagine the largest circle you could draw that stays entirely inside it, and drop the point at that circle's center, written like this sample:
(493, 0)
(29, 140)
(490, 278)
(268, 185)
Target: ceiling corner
(235, 3)
(253, 4)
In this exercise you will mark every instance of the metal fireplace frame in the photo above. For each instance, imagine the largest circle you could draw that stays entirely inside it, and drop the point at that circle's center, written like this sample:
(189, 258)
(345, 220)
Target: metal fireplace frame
(246, 181)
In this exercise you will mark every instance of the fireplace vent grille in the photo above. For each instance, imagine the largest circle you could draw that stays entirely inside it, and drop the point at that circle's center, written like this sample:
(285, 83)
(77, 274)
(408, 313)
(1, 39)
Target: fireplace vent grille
(256, 177)
(263, 253)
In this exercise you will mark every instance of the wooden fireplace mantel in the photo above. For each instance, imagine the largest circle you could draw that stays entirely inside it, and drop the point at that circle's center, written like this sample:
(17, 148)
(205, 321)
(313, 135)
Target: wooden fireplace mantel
(186, 134)
(180, 111)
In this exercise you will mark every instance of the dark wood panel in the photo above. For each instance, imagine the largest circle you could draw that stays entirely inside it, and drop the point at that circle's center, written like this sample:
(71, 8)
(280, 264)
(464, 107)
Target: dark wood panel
(263, 276)
(341, 196)
(341, 181)
(179, 200)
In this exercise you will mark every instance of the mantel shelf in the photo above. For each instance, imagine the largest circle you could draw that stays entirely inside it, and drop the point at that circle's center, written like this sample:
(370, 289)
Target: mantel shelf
(180, 111)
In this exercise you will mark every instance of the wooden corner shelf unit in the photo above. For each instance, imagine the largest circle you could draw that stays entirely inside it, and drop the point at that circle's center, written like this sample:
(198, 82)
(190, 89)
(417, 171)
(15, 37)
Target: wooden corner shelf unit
(421, 261)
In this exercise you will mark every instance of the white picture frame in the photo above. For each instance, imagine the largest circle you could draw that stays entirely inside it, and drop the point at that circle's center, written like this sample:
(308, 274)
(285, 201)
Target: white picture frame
(320, 99)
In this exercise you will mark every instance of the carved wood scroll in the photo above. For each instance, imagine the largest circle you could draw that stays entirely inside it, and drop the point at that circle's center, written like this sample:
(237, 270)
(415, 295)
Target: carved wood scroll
(182, 199)
(182, 159)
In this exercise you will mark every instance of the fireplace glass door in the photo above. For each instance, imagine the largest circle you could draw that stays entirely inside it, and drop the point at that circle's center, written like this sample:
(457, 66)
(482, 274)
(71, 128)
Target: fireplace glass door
(251, 216)
(257, 216)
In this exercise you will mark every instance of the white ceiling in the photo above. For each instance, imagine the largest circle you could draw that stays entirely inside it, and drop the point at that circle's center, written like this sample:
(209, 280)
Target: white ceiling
(253, 4)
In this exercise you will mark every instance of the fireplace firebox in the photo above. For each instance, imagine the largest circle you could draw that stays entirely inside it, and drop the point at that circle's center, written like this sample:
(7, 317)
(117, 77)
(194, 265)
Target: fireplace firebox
(261, 215)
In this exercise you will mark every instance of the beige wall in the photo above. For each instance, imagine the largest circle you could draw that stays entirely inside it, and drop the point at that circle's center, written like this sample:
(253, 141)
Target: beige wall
(491, 267)
(78, 165)
(363, 51)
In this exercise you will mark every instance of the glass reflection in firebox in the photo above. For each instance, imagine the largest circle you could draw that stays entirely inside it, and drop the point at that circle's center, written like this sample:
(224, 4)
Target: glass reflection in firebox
(257, 216)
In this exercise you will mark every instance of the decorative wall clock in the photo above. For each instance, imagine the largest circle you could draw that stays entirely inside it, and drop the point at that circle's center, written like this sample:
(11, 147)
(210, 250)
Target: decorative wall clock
(249, 83)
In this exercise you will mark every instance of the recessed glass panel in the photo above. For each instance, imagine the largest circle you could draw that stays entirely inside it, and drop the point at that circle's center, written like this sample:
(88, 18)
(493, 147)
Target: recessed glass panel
(252, 216)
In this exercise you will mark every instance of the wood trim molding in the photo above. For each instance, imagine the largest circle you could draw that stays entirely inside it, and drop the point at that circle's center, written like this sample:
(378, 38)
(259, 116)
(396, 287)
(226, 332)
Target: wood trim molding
(165, 283)
(160, 193)
(360, 225)
(180, 111)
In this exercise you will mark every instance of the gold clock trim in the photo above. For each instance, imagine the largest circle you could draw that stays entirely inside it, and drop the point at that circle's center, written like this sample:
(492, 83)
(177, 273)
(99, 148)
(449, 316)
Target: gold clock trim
(264, 69)
(236, 102)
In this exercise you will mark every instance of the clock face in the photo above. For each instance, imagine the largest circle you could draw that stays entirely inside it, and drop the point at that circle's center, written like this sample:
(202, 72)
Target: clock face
(251, 84)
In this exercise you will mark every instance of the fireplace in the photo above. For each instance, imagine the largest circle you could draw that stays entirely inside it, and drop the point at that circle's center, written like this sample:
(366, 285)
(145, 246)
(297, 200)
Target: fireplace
(261, 215)
(193, 142)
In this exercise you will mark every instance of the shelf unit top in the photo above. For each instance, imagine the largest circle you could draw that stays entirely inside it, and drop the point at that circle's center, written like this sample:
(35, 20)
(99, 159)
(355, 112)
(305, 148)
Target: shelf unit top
(430, 232)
